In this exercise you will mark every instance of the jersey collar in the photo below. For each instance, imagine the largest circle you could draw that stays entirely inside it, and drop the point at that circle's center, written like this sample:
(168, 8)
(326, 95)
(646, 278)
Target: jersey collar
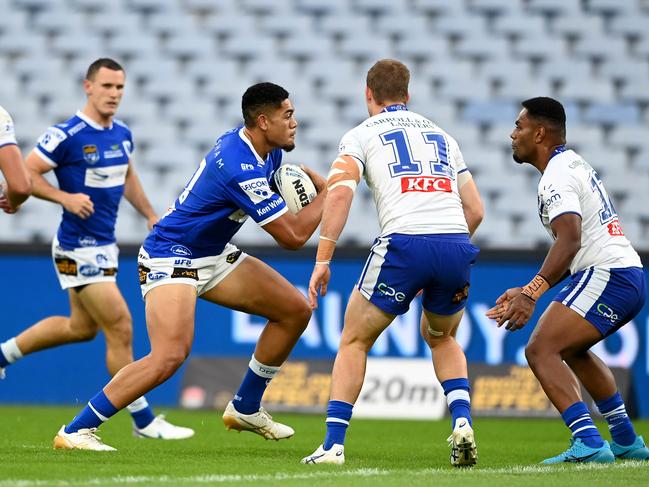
(399, 107)
(91, 122)
(249, 144)
(557, 151)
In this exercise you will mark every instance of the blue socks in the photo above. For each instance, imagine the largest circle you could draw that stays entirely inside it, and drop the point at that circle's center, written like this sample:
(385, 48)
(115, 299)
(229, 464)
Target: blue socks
(247, 400)
(458, 399)
(577, 418)
(98, 410)
(619, 424)
(338, 415)
(141, 412)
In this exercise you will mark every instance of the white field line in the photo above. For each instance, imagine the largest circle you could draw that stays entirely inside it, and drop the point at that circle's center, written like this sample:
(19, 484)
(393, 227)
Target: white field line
(362, 472)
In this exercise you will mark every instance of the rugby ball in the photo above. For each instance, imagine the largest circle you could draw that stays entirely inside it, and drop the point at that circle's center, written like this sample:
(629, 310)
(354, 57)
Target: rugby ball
(295, 187)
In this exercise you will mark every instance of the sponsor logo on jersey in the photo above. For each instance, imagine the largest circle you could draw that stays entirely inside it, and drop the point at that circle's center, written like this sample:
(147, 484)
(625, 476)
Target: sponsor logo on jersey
(425, 184)
(113, 152)
(106, 177)
(88, 270)
(183, 262)
(606, 311)
(615, 229)
(76, 128)
(87, 241)
(183, 272)
(247, 167)
(142, 273)
(553, 200)
(181, 250)
(101, 259)
(90, 154)
(233, 257)
(66, 266)
(256, 189)
(390, 292)
(156, 276)
(461, 294)
(270, 206)
(51, 139)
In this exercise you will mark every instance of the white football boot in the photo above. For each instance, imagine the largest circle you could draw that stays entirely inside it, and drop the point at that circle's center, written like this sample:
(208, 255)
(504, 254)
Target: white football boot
(260, 422)
(162, 429)
(84, 439)
(464, 452)
(334, 455)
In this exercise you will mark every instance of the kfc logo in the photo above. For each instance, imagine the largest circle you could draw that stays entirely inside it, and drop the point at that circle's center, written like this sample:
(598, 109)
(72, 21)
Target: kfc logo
(425, 184)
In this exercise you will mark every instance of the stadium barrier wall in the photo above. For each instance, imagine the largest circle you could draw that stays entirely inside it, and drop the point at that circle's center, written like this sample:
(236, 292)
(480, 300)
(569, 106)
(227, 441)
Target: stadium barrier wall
(71, 374)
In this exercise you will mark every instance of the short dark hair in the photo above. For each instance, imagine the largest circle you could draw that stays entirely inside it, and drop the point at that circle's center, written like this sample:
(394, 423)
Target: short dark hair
(260, 97)
(548, 111)
(103, 62)
(388, 79)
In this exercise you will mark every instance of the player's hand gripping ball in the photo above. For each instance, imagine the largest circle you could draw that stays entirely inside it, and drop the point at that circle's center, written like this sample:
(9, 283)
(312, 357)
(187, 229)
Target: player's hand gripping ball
(295, 187)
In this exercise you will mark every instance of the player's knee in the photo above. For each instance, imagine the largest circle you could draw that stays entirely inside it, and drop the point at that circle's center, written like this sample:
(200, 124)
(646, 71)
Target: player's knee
(165, 366)
(533, 352)
(120, 333)
(303, 314)
(84, 334)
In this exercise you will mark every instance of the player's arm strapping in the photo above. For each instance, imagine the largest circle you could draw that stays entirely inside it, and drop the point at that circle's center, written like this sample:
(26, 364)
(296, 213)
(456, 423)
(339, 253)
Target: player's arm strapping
(342, 181)
(344, 173)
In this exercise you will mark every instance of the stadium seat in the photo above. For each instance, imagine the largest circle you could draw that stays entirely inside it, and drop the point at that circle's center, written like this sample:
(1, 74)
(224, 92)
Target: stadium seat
(612, 113)
(610, 8)
(493, 8)
(472, 62)
(517, 24)
(555, 8)
(490, 112)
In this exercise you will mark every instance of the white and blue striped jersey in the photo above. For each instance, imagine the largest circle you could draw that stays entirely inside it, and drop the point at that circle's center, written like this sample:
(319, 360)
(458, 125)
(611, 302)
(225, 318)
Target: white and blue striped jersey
(411, 165)
(91, 159)
(7, 135)
(231, 184)
(570, 185)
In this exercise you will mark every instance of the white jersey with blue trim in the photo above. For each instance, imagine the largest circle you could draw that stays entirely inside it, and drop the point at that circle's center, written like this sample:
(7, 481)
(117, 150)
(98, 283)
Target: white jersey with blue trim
(411, 166)
(7, 135)
(91, 159)
(570, 185)
(231, 183)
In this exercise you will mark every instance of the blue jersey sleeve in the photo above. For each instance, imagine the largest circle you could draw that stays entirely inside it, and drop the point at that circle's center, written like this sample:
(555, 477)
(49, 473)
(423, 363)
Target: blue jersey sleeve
(52, 145)
(129, 145)
(251, 191)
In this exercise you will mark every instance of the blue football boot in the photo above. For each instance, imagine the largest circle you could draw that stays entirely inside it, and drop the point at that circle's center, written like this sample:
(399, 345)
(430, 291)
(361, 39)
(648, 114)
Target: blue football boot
(579, 452)
(635, 451)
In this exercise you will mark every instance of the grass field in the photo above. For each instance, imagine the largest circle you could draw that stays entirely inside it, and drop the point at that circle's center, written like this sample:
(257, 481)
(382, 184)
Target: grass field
(378, 453)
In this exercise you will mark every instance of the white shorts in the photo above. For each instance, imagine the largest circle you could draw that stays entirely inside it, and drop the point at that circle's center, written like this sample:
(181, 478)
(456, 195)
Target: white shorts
(203, 273)
(85, 265)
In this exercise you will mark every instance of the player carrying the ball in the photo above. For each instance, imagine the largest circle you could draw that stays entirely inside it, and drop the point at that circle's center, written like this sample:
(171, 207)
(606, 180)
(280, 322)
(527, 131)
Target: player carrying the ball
(428, 206)
(188, 254)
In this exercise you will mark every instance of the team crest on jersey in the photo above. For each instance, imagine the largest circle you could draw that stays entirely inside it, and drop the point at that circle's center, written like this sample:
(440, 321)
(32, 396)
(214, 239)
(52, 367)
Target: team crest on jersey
(90, 154)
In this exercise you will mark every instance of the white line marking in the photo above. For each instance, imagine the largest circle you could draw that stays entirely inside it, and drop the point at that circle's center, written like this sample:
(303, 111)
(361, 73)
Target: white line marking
(361, 472)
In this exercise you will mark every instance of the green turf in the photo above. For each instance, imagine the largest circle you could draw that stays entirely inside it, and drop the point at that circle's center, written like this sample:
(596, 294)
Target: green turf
(378, 453)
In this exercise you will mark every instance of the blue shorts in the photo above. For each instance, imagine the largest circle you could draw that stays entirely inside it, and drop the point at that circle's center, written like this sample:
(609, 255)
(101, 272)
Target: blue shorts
(399, 266)
(606, 298)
